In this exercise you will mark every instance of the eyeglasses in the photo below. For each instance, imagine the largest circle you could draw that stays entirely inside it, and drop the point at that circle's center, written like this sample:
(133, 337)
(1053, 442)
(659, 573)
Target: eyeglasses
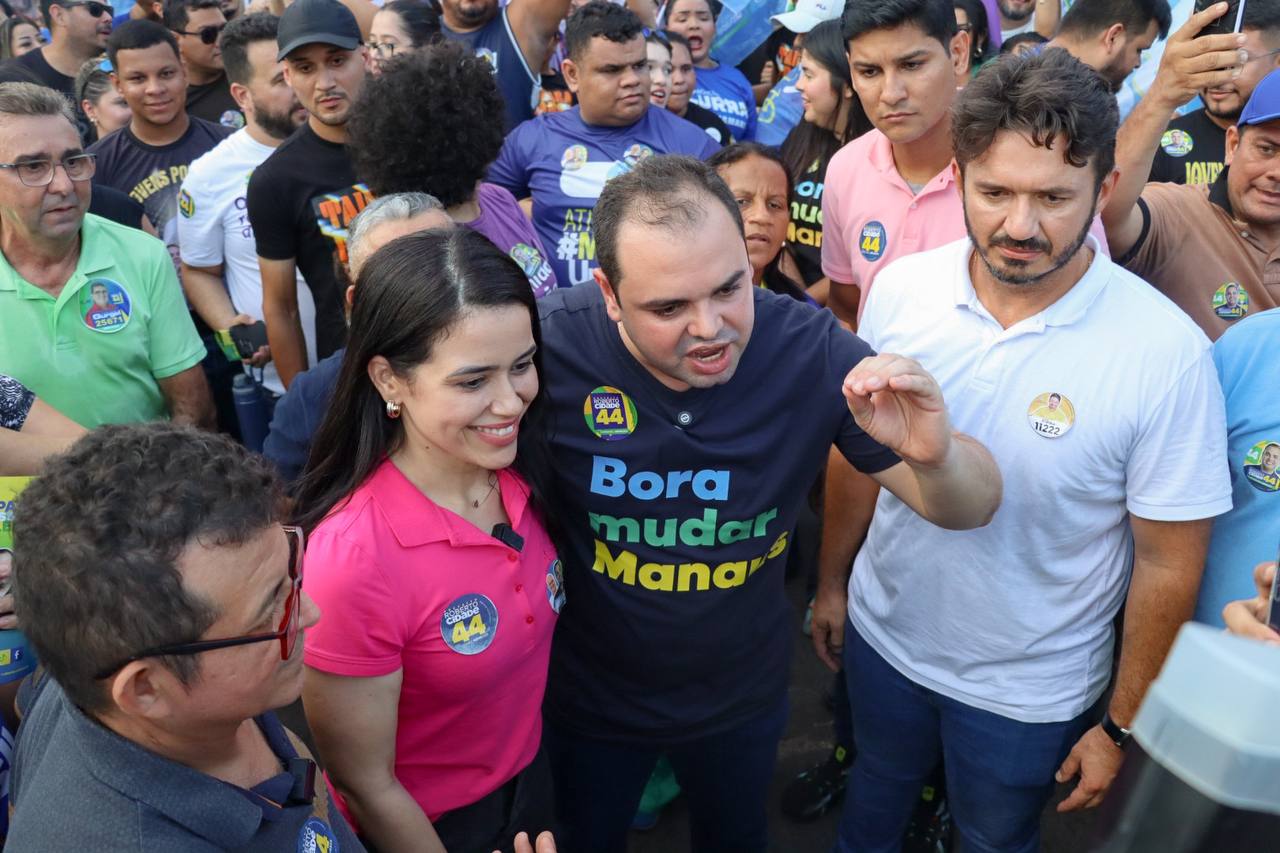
(286, 634)
(208, 35)
(93, 7)
(964, 28)
(39, 173)
(385, 47)
(1254, 57)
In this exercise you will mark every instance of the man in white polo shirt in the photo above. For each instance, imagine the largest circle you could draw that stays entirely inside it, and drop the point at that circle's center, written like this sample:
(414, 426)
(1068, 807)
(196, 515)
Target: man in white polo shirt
(992, 648)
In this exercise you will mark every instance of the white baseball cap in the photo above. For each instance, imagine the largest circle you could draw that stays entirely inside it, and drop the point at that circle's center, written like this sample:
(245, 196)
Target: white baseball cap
(807, 14)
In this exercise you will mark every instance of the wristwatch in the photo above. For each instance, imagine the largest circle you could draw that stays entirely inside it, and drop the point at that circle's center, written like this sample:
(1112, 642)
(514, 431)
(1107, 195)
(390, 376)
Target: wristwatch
(1119, 735)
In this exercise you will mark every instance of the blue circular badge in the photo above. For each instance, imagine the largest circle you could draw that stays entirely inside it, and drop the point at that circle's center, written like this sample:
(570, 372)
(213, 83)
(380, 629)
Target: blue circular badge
(317, 837)
(469, 624)
(105, 306)
(873, 241)
(555, 585)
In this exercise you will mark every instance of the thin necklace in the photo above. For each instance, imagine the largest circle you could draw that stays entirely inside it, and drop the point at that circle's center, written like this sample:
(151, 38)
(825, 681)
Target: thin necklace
(493, 484)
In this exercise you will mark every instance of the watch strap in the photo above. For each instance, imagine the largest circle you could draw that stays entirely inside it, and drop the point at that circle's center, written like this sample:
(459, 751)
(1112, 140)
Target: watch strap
(1119, 736)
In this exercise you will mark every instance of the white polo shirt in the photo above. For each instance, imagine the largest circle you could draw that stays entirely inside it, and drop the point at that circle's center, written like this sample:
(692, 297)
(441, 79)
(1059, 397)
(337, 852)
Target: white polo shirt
(1105, 403)
(213, 230)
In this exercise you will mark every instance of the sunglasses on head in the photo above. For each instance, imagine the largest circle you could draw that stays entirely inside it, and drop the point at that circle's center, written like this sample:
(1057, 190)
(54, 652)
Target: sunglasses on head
(93, 7)
(208, 35)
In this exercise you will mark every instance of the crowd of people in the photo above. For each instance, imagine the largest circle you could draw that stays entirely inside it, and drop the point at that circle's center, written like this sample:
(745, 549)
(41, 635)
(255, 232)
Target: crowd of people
(326, 393)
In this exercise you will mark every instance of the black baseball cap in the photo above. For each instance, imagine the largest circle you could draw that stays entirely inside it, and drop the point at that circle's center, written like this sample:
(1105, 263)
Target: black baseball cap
(316, 22)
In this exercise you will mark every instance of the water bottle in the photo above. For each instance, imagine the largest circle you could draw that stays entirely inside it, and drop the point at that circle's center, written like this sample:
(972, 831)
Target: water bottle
(1202, 770)
(252, 411)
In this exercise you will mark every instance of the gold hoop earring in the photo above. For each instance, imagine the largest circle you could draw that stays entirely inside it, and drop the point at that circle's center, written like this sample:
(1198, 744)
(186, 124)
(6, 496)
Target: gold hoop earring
(393, 409)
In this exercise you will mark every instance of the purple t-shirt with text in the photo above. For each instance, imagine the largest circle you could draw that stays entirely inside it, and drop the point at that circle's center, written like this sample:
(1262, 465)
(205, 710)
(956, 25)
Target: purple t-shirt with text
(506, 226)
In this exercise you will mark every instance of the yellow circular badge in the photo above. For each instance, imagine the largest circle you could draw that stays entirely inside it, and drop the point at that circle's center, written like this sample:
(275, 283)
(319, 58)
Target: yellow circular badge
(610, 414)
(1051, 415)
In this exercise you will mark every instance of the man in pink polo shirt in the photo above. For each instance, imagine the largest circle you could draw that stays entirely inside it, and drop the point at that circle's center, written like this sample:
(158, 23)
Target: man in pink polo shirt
(889, 192)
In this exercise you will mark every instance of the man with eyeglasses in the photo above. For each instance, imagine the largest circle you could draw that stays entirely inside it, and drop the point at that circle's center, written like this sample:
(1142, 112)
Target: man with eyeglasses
(197, 24)
(91, 315)
(165, 651)
(1193, 146)
(78, 32)
(1216, 254)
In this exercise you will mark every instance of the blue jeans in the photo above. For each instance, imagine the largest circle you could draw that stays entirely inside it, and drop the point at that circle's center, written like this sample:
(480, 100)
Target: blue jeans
(725, 777)
(999, 771)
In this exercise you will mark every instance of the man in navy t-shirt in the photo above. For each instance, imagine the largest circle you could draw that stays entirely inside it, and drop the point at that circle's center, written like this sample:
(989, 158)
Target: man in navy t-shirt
(691, 414)
(515, 40)
(564, 159)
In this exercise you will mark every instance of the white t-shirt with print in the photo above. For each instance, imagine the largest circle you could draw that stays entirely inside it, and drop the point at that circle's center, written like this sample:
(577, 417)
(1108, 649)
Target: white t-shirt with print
(213, 228)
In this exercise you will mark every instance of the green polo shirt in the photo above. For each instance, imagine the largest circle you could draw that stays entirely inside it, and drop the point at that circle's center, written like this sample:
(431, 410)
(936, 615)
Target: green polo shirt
(120, 324)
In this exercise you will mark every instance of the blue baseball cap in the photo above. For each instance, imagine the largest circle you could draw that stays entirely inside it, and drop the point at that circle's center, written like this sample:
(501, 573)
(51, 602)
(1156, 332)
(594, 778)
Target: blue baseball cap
(1264, 103)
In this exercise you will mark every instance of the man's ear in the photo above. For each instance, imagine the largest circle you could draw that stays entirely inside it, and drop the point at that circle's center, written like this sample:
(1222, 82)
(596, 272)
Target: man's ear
(143, 689)
(570, 71)
(611, 305)
(240, 94)
(1113, 39)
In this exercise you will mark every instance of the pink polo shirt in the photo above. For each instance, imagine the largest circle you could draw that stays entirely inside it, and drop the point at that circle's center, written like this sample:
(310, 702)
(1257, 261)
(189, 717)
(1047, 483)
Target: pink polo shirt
(404, 584)
(871, 217)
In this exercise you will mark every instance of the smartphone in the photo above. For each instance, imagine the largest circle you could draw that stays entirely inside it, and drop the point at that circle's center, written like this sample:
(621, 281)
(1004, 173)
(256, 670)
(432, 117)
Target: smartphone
(249, 339)
(1273, 614)
(1229, 22)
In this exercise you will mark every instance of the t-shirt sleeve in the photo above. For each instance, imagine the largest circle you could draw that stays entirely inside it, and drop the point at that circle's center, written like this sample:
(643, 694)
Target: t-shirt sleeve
(1163, 225)
(362, 632)
(175, 344)
(836, 263)
(273, 230)
(750, 96)
(16, 401)
(510, 170)
(288, 440)
(199, 225)
(1178, 469)
(844, 351)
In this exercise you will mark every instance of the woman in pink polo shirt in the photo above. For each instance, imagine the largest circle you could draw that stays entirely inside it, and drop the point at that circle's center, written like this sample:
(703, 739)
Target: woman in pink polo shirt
(428, 554)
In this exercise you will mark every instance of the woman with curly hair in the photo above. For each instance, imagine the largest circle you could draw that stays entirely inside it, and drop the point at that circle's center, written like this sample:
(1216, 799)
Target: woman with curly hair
(426, 124)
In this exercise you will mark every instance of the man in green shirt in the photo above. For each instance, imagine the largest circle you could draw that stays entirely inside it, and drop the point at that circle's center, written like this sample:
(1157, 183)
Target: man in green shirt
(91, 314)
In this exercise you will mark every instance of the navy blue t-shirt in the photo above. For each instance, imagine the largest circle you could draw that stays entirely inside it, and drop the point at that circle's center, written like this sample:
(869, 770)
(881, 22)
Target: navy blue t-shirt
(678, 510)
(298, 415)
(563, 163)
(517, 83)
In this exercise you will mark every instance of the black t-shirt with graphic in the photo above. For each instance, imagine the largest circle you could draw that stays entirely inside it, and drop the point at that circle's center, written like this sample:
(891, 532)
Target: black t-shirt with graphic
(1192, 151)
(213, 103)
(301, 200)
(804, 230)
(678, 510)
(709, 122)
(152, 175)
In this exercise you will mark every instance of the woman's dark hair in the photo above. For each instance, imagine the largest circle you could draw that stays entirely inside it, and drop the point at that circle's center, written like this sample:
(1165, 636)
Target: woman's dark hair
(714, 6)
(409, 295)
(420, 20)
(6, 33)
(774, 278)
(1012, 43)
(91, 81)
(807, 143)
(454, 100)
(979, 31)
(1043, 96)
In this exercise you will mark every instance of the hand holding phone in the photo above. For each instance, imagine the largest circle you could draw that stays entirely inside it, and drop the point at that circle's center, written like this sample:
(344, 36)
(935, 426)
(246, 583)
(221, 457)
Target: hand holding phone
(1230, 21)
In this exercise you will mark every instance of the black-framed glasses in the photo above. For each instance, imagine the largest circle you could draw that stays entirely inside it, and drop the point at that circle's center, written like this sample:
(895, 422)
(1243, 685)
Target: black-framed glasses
(208, 35)
(286, 634)
(93, 7)
(39, 173)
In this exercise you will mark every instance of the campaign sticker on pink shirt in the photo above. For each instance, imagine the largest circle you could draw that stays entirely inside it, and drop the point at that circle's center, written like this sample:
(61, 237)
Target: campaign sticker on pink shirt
(555, 584)
(469, 624)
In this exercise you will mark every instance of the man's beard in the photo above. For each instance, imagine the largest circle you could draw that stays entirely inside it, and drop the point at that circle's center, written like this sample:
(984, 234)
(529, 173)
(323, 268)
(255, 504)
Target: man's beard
(1015, 15)
(1007, 275)
(277, 125)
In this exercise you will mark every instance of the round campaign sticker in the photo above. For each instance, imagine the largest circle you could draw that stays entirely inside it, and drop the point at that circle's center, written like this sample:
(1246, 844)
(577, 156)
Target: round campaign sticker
(573, 158)
(1051, 415)
(317, 837)
(1176, 143)
(232, 118)
(1231, 301)
(469, 624)
(555, 584)
(489, 56)
(1261, 464)
(610, 414)
(637, 154)
(873, 241)
(105, 305)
